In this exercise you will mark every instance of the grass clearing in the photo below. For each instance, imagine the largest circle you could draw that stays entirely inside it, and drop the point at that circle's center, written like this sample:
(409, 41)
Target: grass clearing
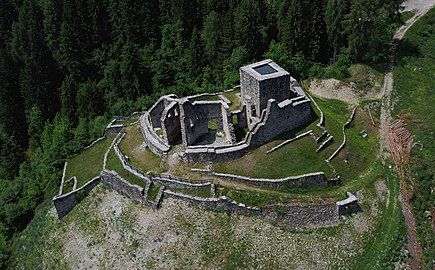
(359, 153)
(89, 163)
(203, 192)
(388, 235)
(153, 192)
(140, 157)
(113, 163)
(277, 164)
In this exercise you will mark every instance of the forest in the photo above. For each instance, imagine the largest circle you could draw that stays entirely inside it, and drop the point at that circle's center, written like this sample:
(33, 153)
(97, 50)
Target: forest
(68, 66)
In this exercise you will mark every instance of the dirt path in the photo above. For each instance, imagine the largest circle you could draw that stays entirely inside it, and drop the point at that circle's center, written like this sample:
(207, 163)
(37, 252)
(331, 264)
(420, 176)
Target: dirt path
(413, 244)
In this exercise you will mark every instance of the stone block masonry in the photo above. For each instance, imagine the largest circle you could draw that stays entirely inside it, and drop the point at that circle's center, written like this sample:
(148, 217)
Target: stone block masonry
(310, 180)
(134, 192)
(66, 202)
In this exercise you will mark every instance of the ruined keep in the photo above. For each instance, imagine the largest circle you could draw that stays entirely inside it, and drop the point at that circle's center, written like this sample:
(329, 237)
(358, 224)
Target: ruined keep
(271, 103)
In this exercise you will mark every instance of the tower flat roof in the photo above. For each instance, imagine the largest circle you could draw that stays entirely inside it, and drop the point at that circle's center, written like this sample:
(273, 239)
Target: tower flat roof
(263, 70)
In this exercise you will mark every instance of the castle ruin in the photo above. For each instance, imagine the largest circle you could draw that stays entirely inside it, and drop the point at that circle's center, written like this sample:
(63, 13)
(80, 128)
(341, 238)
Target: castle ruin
(271, 103)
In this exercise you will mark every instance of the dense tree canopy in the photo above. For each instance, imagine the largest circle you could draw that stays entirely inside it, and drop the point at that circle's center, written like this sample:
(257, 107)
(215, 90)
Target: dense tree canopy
(66, 66)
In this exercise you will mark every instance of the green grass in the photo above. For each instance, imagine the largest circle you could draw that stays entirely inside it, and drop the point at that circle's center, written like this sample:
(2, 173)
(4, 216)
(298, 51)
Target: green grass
(360, 153)
(203, 192)
(414, 90)
(153, 192)
(89, 163)
(140, 157)
(383, 248)
(235, 100)
(68, 187)
(266, 196)
(212, 124)
(113, 163)
(295, 158)
(277, 164)
(159, 132)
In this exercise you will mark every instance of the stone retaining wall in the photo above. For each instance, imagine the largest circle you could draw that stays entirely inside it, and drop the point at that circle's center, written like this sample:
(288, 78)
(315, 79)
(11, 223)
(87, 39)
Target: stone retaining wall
(134, 192)
(348, 205)
(218, 204)
(66, 202)
(311, 180)
(170, 183)
(344, 136)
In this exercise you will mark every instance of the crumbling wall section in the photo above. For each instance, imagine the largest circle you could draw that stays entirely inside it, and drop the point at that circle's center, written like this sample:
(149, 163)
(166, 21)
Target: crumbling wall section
(281, 117)
(170, 122)
(153, 141)
(309, 180)
(193, 125)
(156, 111)
(276, 119)
(221, 204)
(134, 192)
(66, 202)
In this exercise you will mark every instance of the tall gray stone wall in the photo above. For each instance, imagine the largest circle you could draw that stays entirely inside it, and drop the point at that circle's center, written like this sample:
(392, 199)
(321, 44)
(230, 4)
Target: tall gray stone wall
(134, 192)
(280, 118)
(193, 125)
(66, 202)
(155, 113)
(309, 180)
(171, 122)
(257, 89)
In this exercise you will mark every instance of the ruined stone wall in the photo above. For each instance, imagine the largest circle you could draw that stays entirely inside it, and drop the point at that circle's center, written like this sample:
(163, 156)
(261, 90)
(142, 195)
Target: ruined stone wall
(172, 183)
(112, 129)
(156, 112)
(241, 118)
(66, 202)
(217, 204)
(134, 192)
(249, 87)
(154, 142)
(310, 180)
(276, 119)
(228, 127)
(281, 117)
(171, 123)
(193, 125)
(209, 110)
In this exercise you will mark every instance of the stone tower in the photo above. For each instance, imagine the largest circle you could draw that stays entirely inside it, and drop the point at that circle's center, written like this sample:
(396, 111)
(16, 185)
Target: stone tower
(260, 82)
